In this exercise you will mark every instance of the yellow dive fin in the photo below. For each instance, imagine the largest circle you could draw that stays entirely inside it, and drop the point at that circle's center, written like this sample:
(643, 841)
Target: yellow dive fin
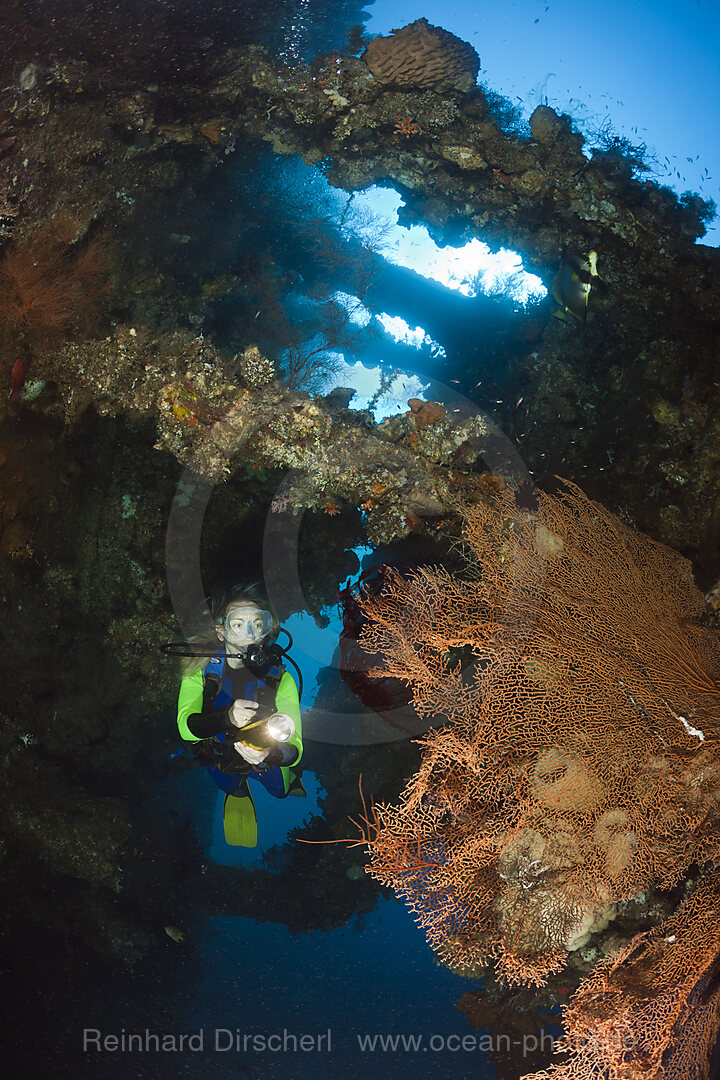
(240, 821)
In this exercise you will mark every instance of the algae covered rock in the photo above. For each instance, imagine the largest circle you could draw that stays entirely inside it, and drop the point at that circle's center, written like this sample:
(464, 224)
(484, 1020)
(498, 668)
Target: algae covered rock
(67, 828)
(546, 124)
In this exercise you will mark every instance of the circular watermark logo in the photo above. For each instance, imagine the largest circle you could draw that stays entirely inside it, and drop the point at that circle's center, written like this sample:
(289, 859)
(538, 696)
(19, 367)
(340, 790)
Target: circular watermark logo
(340, 717)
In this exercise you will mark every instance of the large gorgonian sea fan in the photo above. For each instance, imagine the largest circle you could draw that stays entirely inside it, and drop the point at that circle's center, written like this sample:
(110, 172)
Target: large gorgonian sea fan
(579, 760)
(652, 1009)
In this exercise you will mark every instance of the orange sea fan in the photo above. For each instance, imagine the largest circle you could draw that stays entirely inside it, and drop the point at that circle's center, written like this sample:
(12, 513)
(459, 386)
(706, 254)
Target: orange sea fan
(50, 287)
(580, 761)
(652, 1010)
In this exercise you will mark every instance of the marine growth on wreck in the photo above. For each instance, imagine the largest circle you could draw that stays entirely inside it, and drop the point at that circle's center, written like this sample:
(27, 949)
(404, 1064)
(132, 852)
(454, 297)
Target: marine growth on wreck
(511, 540)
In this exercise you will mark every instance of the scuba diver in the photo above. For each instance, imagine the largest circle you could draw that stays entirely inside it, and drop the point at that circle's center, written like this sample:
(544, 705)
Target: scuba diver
(240, 709)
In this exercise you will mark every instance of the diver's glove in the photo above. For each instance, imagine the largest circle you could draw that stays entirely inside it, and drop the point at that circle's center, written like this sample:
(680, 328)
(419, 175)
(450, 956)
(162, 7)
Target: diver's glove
(252, 754)
(226, 720)
(241, 712)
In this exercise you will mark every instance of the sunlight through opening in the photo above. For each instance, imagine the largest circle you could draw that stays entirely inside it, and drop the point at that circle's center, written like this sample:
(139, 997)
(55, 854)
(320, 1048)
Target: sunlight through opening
(471, 270)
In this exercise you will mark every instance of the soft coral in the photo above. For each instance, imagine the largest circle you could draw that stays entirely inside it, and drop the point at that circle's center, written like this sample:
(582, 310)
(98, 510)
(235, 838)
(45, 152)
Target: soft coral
(50, 286)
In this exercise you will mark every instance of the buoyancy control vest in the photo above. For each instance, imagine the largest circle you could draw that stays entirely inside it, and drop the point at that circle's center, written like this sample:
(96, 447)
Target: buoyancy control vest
(219, 691)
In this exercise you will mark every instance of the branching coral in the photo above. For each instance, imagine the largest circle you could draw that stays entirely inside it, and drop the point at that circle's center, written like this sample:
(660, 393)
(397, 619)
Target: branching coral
(306, 335)
(406, 126)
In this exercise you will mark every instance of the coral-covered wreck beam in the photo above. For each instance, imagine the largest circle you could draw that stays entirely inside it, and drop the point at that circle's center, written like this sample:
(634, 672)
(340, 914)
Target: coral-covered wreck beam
(460, 168)
(216, 417)
(408, 111)
(466, 172)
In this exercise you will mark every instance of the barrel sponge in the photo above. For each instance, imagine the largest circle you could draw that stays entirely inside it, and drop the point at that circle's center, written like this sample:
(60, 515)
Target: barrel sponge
(424, 56)
(546, 125)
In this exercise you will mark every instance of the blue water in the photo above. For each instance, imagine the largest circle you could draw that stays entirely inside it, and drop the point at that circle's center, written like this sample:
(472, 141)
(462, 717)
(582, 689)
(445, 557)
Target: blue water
(647, 66)
(275, 818)
(373, 978)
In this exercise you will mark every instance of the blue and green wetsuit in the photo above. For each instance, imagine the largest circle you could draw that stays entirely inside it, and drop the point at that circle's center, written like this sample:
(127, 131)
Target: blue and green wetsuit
(203, 718)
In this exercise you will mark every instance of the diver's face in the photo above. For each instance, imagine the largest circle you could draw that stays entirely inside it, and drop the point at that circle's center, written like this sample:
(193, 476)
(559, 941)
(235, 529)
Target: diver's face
(244, 624)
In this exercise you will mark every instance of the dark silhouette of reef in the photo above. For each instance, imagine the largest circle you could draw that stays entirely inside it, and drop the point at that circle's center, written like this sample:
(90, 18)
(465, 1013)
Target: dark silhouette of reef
(172, 41)
(628, 405)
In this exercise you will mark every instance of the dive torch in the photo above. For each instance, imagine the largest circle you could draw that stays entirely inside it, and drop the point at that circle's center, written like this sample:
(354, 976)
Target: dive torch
(267, 731)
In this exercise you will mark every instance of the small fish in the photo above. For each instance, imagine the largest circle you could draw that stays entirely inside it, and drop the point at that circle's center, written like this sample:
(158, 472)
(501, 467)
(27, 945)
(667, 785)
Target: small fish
(17, 379)
(176, 934)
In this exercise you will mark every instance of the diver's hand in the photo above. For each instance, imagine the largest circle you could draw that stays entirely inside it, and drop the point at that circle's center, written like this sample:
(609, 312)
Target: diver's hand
(242, 711)
(252, 755)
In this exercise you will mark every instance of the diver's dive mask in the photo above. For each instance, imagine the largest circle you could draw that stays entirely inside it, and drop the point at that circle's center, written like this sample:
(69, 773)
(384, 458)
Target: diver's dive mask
(246, 626)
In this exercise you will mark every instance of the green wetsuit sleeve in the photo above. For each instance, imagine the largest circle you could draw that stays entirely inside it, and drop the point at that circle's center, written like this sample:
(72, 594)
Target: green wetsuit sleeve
(287, 701)
(190, 700)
